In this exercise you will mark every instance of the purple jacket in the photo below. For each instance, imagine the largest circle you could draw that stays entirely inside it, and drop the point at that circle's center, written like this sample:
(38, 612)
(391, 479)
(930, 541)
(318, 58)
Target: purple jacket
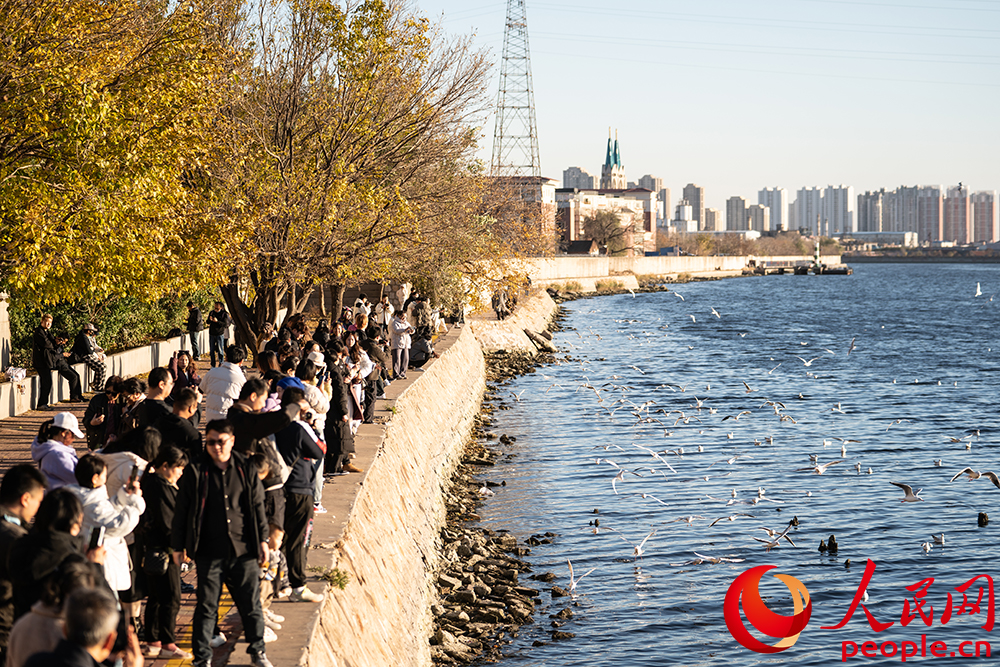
(56, 461)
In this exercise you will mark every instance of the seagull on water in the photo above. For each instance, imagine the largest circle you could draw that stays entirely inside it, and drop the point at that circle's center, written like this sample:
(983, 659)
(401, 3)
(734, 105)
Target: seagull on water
(938, 539)
(975, 474)
(686, 519)
(979, 291)
(910, 496)
(926, 546)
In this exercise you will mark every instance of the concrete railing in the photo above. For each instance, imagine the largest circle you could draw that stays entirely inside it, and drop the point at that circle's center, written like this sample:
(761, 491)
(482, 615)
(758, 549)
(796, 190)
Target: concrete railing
(586, 270)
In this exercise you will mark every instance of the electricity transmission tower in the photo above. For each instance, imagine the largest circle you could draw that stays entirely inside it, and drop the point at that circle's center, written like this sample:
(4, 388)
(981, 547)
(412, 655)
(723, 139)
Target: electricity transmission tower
(515, 139)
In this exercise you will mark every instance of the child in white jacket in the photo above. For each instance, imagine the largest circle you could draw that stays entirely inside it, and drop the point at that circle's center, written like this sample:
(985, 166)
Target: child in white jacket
(119, 516)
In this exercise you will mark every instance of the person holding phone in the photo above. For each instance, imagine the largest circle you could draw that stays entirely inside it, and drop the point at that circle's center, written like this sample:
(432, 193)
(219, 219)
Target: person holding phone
(117, 516)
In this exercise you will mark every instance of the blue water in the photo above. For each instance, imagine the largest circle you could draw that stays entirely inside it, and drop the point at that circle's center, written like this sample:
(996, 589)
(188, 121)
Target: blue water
(926, 350)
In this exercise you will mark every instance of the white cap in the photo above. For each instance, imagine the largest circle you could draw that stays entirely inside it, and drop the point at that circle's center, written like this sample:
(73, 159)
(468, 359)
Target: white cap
(68, 421)
(317, 358)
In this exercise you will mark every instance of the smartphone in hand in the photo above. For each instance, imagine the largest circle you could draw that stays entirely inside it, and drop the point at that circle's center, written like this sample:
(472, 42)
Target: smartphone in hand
(96, 538)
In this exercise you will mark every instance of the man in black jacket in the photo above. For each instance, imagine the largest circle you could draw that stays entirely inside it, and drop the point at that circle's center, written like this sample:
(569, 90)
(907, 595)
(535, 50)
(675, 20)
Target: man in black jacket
(250, 424)
(218, 328)
(21, 493)
(91, 627)
(301, 449)
(176, 428)
(194, 326)
(220, 522)
(45, 358)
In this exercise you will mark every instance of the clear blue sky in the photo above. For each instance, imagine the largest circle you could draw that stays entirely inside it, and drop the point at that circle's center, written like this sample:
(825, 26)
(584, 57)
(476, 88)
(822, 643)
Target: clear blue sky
(736, 95)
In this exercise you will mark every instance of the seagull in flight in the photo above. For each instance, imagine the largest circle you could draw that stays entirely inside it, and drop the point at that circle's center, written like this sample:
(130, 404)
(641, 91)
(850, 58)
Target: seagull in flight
(910, 496)
(715, 560)
(851, 348)
(731, 517)
(807, 362)
(819, 468)
(686, 519)
(837, 408)
(678, 295)
(897, 421)
(749, 390)
(737, 416)
(572, 581)
(692, 317)
(716, 313)
(975, 474)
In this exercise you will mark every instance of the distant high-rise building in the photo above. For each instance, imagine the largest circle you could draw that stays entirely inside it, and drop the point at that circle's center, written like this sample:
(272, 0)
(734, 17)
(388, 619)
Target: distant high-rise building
(758, 218)
(684, 211)
(736, 214)
(900, 210)
(957, 217)
(985, 217)
(809, 210)
(655, 184)
(576, 177)
(776, 201)
(929, 214)
(838, 210)
(613, 173)
(871, 211)
(695, 195)
(713, 220)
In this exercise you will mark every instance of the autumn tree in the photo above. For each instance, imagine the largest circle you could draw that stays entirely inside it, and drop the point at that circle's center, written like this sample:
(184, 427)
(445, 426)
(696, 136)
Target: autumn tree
(351, 152)
(607, 229)
(106, 112)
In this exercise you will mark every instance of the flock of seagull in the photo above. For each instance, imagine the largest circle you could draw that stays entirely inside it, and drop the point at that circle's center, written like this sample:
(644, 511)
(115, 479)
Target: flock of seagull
(658, 416)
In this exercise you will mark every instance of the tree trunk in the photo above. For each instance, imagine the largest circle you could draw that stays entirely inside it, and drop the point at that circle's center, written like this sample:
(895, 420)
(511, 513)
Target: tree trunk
(322, 299)
(337, 299)
(300, 304)
(243, 318)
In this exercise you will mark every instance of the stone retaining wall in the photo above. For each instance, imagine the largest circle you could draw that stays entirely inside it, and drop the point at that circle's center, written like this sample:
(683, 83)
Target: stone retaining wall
(389, 536)
(534, 311)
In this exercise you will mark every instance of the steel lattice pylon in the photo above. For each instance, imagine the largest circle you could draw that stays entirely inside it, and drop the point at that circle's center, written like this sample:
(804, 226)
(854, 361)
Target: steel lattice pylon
(515, 139)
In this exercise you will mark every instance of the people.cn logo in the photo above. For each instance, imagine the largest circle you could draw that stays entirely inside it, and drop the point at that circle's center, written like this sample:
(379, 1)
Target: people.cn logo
(786, 629)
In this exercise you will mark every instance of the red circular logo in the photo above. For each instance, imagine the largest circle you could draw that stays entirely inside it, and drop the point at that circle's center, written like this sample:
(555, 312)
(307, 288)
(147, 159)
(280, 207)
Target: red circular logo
(785, 628)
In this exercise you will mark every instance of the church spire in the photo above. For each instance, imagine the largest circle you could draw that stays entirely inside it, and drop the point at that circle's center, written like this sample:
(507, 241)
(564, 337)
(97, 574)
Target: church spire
(609, 157)
(618, 158)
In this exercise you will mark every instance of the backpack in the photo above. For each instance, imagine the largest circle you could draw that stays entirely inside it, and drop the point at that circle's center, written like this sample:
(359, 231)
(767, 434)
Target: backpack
(279, 469)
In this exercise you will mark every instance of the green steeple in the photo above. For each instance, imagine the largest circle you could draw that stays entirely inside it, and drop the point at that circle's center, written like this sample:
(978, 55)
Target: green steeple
(608, 157)
(618, 157)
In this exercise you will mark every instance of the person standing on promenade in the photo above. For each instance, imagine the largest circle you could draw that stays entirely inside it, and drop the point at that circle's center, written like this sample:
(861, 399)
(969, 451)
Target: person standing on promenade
(194, 327)
(45, 358)
(177, 429)
(400, 344)
(221, 385)
(383, 314)
(218, 327)
(219, 521)
(87, 351)
(21, 492)
(53, 449)
(300, 448)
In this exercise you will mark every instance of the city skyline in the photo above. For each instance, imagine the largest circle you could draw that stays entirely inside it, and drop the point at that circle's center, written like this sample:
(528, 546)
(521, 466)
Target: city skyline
(737, 96)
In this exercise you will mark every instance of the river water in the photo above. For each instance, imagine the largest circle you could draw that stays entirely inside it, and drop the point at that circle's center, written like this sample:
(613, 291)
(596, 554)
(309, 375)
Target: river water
(926, 351)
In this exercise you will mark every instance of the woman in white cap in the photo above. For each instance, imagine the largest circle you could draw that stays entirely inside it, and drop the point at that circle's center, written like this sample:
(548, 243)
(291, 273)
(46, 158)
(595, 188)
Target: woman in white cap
(53, 449)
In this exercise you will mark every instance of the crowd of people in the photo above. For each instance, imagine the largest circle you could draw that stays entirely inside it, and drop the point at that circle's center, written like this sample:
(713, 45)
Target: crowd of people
(86, 541)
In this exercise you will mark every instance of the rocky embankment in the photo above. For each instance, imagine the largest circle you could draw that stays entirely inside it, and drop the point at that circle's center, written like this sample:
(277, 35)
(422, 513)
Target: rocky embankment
(484, 599)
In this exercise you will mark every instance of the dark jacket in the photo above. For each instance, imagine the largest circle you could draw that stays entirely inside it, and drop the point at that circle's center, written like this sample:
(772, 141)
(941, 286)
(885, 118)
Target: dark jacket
(180, 433)
(9, 533)
(158, 519)
(33, 558)
(83, 347)
(194, 322)
(249, 427)
(218, 322)
(43, 349)
(67, 654)
(186, 530)
(97, 436)
(295, 446)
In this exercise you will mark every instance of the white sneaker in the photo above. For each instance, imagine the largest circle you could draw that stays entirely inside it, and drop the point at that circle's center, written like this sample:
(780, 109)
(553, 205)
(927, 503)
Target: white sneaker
(277, 618)
(304, 595)
(218, 640)
(269, 635)
(273, 625)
